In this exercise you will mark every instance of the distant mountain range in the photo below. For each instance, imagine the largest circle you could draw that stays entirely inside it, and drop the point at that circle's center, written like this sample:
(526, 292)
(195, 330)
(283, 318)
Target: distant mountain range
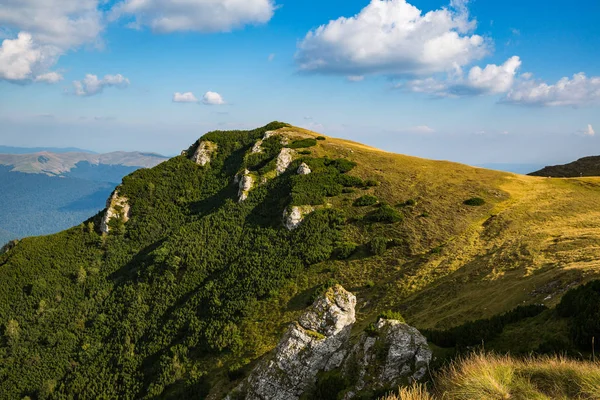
(46, 192)
(31, 150)
(587, 166)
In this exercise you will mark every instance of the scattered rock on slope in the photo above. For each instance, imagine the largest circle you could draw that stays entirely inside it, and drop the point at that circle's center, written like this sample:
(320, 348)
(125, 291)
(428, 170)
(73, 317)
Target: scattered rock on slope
(303, 169)
(293, 216)
(394, 354)
(246, 182)
(204, 153)
(284, 160)
(117, 206)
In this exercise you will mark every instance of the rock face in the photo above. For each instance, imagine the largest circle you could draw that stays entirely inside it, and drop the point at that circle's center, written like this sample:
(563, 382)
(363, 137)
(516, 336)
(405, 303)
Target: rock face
(285, 158)
(246, 182)
(320, 342)
(293, 217)
(116, 207)
(204, 153)
(311, 345)
(397, 354)
(303, 169)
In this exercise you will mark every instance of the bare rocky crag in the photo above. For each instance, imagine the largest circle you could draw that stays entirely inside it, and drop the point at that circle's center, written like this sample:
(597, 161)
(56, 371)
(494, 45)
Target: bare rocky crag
(117, 206)
(204, 153)
(293, 216)
(320, 342)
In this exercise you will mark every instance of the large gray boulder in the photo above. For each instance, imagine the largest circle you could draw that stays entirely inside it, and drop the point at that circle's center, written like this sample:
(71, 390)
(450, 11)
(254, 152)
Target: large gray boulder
(391, 354)
(313, 344)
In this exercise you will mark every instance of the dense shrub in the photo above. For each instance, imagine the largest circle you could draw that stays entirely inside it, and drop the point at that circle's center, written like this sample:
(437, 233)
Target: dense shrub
(345, 250)
(474, 202)
(324, 181)
(366, 200)
(371, 183)
(351, 181)
(321, 138)
(386, 214)
(483, 330)
(582, 305)
(378, 245)
(303, 143)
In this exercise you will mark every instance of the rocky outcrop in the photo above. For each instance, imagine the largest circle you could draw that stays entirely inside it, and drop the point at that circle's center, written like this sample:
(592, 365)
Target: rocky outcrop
(293, 216)
(392, 354)
(284, 159)
(117, 207)
(313, 344)
(257, 148)
(204, 153)
(303, 169)
(9, 246)
(246, 181)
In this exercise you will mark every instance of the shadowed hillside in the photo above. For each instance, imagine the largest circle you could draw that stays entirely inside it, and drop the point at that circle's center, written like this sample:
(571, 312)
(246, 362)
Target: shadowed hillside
(587, 166)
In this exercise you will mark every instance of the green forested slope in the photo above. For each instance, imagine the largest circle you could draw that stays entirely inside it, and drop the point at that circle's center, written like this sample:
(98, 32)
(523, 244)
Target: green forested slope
(183, 298)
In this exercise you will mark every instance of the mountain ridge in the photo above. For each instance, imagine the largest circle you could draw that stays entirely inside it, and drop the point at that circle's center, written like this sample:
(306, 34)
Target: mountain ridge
(198, 283)
(583, 167)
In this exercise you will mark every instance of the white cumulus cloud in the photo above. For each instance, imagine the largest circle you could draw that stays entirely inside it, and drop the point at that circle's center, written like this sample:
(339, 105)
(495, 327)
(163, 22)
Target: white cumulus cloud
(589, 131)
(187, 97)
(38, 32)
(195, 15)
(493, 79)
(576, 91)
(213, 99)
(49, 77)
(91, 85)
(393, 37)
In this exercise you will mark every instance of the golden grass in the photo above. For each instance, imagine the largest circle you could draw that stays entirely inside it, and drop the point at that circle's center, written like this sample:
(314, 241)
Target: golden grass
(534, 238)
(491, 377)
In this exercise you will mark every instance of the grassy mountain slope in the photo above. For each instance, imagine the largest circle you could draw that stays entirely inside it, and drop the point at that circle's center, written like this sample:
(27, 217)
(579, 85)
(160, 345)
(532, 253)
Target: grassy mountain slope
(587, 166)
(182, 299)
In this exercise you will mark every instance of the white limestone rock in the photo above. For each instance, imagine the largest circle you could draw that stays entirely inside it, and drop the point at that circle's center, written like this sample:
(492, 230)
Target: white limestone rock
(303, 169)
(246, 183)
(204, 153)
(311, 345)
(407, 357)
(117, 206)
(284, 159)
(293, 216)
(320, 341)
(257, 147)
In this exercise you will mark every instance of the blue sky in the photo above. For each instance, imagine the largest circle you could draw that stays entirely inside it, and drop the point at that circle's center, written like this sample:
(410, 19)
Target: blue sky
(471, 81)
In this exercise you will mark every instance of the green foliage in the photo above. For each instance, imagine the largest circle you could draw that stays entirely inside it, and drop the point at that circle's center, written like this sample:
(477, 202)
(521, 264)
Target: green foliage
(303, 143)
(582, 305)
(325, 181)
(378, 245)
(474, 202)
(124, 315)
(483, 330)
(366, 200)
(408, 203)
(391, 315)
(305, 152)
(385, 214)
(321, 138)
(345, 250)
(371, 183)
(349, 181)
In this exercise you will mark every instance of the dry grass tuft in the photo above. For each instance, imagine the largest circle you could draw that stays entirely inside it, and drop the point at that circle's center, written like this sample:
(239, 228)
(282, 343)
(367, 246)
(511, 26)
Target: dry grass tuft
(491, 377)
